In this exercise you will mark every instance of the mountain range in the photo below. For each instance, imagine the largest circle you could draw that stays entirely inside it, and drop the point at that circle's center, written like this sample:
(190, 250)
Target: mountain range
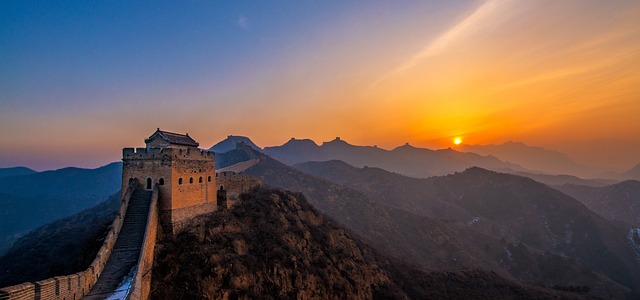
(617, 202)
(547, 166)
(407, 160)
(35, 199)
(533, 158)
(15, 171)
(275, 245)
(546, 237)
(364, 223)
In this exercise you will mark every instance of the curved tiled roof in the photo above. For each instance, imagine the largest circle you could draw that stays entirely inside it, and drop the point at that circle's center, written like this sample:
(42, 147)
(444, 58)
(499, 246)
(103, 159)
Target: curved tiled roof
(173, 138)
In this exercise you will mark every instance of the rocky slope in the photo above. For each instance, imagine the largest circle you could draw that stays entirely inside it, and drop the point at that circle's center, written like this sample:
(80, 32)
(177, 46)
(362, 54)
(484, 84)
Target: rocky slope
(620, 202)
(528, 215)
(427, 241)
(275, 245)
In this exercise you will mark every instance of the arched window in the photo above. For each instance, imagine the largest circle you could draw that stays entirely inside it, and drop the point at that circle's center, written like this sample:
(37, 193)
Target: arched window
(180, 181)
(190, 179)
(209, 179)
(200, 179)
(222, 188)
(148, 183)
(161, 181)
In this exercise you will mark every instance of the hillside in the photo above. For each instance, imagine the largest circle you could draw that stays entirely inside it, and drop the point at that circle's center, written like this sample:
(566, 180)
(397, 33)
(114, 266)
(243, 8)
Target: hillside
(519, 211)
(431, 242)
(15, 171)
(30, 201)
(62, 247)
(555, 180)
(407, 160)
(530, 157)
(633, 173)
(504, 206)
(274, 245)
(619, 202)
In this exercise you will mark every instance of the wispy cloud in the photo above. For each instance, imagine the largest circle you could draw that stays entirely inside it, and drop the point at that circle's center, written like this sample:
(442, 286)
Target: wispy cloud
(243, 22)
(443, 41)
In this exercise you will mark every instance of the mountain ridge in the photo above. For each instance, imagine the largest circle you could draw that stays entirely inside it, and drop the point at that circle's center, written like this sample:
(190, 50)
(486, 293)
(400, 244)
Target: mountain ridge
(408, 160)
(531, 157)
(30, 201)
(448, 191)
(16, 171)
(230, 142)
(275, 245)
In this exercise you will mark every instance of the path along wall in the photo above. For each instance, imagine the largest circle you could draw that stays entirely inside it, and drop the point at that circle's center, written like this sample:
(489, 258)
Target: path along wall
(141, 285)
(74, 286)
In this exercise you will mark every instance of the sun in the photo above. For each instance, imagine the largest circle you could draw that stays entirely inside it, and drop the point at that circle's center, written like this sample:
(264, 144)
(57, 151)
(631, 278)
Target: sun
(457, 140)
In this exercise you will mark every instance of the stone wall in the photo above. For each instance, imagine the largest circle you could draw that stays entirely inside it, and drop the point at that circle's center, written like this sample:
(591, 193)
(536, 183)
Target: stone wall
(185, 176)
(141, 286)
(235, 184)
(73, 286)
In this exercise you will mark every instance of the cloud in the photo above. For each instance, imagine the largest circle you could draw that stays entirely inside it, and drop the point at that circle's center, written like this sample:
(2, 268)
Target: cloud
(443, 41)
(243, 22)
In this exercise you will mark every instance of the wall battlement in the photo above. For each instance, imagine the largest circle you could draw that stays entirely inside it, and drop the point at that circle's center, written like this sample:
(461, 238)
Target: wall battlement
(167, 153)
(73, 286)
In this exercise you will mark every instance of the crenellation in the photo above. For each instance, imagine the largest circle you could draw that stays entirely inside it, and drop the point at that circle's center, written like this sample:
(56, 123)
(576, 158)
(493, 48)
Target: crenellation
(45, 289)
(184, 174)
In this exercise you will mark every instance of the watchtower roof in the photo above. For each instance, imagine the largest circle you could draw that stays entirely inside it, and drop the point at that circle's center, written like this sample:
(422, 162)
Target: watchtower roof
(172, 138)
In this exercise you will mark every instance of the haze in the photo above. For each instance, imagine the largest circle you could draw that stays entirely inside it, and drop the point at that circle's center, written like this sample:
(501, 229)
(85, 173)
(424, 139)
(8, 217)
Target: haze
(81, 80)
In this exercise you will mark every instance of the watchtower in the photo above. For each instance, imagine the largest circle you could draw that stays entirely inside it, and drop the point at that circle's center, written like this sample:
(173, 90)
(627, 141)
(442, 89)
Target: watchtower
(185, 176)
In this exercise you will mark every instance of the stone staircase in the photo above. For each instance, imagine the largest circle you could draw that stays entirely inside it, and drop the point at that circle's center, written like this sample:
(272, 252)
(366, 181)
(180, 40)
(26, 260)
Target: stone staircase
(127, 247)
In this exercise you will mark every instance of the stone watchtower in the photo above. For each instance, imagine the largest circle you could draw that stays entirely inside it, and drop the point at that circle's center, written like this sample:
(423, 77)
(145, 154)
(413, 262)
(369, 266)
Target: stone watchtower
(185, 176)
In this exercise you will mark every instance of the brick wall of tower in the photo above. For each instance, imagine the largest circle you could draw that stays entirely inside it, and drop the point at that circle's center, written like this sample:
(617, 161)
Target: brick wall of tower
(188, 175)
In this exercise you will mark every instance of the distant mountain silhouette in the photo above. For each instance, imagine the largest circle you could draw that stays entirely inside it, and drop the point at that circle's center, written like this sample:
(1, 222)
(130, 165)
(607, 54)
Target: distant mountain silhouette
(230, 142)
(275, 245)
(619, 202)
(62, 247)
(530, 157)
(554, 180)
(513, 208)
(429, 243)
(15, 171)
(30, 201)
(408, 160)
(633, 173)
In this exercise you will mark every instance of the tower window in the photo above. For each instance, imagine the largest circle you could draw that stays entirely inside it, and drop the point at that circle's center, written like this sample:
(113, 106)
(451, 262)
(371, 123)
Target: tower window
(190, 179)
(200, 180)
(148, 183)
(180, 181)
(209, 179)
(161, 181)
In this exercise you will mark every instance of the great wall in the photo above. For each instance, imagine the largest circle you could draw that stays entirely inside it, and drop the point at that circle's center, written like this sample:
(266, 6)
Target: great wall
(164, 185)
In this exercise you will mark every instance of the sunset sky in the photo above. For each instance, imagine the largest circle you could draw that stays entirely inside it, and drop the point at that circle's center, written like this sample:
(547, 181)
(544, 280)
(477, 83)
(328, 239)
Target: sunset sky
(80, 80)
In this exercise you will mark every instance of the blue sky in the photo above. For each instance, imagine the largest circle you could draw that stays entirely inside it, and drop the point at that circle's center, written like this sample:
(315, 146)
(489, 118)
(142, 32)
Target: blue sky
(80, 80)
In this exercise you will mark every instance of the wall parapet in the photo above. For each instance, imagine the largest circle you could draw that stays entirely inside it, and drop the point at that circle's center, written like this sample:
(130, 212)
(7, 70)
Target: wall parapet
(141, 284)
(160, 153)
(73, 286)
